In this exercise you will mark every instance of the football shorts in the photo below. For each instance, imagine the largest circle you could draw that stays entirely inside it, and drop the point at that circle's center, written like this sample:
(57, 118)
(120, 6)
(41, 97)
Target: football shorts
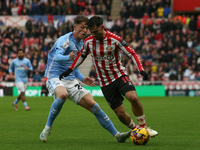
(75, 90)
(21, 86)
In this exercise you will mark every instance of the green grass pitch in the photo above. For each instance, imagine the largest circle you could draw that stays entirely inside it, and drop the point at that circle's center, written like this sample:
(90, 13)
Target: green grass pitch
(177, 120)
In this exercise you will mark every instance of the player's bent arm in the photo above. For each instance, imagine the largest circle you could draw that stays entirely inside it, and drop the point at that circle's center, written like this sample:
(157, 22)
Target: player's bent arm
(78, 61)
(12, 75)
(30, 66)
(131, 54)
(59, 57)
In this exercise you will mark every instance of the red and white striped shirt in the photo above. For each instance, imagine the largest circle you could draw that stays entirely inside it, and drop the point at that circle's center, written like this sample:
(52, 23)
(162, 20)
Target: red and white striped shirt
(106, 57)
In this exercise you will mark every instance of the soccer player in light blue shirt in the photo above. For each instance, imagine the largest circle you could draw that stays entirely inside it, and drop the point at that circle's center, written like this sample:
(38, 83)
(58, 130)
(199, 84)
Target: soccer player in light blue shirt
(61, 56)
(20, 67)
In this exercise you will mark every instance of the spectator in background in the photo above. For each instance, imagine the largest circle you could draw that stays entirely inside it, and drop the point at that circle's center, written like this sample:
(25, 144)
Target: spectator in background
(1, 23)
(160, 11)
(180, 73)
(154, 67)
(44, 91)
(173, 75)
(187, 72)
(7, 7)
(74, 7)
(59, 7)
(41, 66)
(133, 77)
(37, 76)
(115, 28)
(14, 9)
(81, 4)
(192, 24)
(124, 12)
(4, 77)
(66, 7)
(29, 25)
(155, 26)
(167, 11)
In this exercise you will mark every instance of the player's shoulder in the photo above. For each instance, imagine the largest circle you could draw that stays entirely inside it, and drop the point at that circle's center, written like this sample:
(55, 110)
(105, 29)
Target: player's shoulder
(26, 59)
(14, 60)
(89, 38)
(64, 38)
(112, 35)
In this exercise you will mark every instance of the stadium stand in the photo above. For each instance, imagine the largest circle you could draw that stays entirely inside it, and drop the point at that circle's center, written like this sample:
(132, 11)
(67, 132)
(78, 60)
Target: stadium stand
(162, 42)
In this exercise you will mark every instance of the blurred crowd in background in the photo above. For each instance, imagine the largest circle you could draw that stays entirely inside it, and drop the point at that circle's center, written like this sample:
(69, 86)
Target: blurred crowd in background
(169, 48)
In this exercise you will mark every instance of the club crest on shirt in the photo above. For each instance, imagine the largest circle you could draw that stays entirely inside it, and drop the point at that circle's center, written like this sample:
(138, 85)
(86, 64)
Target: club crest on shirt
(65, 44)
(109, 48)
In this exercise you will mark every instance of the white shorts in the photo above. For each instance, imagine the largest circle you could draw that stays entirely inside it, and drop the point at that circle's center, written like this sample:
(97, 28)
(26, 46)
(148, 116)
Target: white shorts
(21, 86)
(75, 90)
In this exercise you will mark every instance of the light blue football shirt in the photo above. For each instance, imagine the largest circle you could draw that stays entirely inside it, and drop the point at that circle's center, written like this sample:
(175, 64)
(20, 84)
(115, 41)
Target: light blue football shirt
(58, 57)
(18, 67)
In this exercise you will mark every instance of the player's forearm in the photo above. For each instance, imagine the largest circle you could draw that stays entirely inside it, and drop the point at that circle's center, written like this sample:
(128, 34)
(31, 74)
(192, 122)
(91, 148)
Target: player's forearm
(137, 62)
(11, 74)
(61, 58)
(77, 62)
(78, 74)
(133, 55)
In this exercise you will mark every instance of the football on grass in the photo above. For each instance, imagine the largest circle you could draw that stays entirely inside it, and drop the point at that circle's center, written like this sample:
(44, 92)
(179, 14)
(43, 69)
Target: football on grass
(139, 136)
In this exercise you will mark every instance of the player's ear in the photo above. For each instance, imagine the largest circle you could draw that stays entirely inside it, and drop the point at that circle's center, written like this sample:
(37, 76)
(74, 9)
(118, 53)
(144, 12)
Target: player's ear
(102, 26)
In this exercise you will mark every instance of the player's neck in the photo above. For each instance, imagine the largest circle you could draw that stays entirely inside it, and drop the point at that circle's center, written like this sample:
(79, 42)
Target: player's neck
(78, 39)
(104, 33)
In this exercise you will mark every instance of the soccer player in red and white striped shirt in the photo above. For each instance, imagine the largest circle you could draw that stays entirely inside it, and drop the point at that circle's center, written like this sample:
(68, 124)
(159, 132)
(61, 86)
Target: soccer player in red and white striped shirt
(105, 48)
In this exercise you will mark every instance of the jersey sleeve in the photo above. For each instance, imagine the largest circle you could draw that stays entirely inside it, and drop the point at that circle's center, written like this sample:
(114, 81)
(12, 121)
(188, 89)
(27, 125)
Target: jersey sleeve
(78, 74)
(81, 56)
(61, 47)
(130, 52)
(29, 65)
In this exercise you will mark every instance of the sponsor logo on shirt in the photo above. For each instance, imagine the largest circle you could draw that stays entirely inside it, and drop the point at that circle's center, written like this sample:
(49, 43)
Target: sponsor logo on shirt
(109, 57)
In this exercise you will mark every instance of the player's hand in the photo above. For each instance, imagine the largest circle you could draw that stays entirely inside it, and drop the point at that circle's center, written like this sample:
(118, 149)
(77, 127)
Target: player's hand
(12, 77)
(89, 81)
(71, 55)
(27, 68)
(65, 74)
(145, 75)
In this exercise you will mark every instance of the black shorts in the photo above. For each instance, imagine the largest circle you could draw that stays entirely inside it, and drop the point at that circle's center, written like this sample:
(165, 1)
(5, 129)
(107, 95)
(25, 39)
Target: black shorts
(114, 91)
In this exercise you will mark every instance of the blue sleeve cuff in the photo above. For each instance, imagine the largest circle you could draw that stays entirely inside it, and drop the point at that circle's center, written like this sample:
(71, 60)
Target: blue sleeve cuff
(78, 74)
(80, 77)
(60, 57)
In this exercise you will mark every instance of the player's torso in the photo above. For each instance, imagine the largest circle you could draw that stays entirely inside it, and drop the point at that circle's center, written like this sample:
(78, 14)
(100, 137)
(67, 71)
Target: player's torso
(54, 68)
(19, 65)
(20, 71)
(107, 60)
(105, 52)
